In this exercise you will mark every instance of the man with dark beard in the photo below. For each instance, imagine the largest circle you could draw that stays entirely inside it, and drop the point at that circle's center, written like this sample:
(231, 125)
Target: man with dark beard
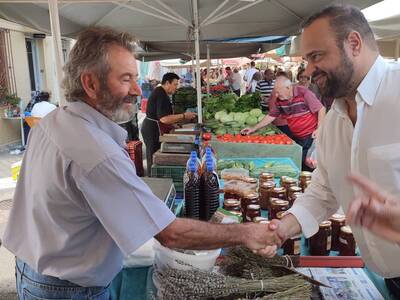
(79, 205)
(359, 133)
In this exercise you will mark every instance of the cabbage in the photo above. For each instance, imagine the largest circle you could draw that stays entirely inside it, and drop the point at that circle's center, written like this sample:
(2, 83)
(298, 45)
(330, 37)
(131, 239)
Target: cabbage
(240, 118)
(260, 118)
(256, 112)
(251, 120)
(227, 118)
(220, 114)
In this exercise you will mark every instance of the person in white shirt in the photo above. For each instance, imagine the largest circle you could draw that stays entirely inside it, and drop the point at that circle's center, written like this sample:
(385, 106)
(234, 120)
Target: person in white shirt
(359, 133)
(248, 76)
(41, 109)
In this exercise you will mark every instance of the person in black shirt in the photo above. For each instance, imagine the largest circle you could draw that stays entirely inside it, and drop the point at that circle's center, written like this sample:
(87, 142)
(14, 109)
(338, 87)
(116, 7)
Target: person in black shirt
(160, 118)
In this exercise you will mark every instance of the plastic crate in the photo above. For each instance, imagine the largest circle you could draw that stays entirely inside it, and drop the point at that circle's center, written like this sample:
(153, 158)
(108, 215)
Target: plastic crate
(174, 172)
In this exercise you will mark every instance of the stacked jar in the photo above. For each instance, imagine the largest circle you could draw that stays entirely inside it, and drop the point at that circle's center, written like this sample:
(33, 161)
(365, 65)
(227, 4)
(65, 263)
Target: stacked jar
(320, 243)
(347, 243)
(265, 190)
(294, 193)
(248, 199)
(277, 205)
(305, 179)
(338, 221)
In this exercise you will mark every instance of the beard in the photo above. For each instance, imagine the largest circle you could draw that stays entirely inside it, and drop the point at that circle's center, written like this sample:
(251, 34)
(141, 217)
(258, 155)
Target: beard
(338, 83)
(116, 108)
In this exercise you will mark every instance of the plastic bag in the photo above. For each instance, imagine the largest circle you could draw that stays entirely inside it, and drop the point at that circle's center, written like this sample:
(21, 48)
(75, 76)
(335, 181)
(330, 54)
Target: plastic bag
(311, 158)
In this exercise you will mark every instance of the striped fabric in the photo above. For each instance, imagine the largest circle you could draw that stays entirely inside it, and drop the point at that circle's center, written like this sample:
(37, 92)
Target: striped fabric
(265, 88)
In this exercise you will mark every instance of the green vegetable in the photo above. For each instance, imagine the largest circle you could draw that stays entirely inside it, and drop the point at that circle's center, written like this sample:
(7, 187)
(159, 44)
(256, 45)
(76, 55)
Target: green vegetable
(251, 121)
(256, 112)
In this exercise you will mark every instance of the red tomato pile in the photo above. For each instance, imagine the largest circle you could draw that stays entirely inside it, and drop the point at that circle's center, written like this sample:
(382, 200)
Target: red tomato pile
(276, 139)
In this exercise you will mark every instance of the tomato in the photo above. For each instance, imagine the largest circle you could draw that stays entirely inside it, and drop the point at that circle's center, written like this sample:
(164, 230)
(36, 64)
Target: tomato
(207, 136)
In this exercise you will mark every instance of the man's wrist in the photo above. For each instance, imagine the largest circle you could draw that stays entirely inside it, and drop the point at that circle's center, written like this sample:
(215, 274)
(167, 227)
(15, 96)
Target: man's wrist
(183, 116)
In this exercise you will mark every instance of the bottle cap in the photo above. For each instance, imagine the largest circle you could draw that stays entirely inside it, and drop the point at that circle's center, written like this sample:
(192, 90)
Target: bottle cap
(192, 166)
(209, 166)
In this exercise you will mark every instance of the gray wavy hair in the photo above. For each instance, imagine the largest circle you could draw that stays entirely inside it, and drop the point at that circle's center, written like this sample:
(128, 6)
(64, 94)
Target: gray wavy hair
(90, 54)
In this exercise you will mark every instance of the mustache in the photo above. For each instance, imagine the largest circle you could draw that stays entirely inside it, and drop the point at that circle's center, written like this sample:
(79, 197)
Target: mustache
(317, 72)
(130, 98)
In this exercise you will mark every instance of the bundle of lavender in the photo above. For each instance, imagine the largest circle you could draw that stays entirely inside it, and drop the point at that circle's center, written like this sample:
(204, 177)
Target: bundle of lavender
(176, 284)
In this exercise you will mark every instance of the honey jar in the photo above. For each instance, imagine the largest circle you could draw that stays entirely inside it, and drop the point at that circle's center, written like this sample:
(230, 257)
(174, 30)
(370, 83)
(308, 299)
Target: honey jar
(338, 221)
(265, 193)
(248, 199)
(347, 246)
(320, 243)
(232, 195)
(279, 192)
(253, 211)
(277, 205)
(288, 183)
(304, 177)
(292, 246)
(260, 220)
(294, 192)
(232, 205)
(265, 177)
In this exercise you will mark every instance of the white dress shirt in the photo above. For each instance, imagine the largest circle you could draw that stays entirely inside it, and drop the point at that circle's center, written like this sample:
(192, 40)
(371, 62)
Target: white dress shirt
(41, 109)
(79, 205)
(370, 148)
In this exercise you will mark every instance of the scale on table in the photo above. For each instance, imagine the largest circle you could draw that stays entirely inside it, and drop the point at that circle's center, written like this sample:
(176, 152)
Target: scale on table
(163, 188)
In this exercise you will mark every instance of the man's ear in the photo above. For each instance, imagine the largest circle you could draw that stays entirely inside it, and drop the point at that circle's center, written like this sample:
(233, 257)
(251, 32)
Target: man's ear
(91, 84)
(355, 42)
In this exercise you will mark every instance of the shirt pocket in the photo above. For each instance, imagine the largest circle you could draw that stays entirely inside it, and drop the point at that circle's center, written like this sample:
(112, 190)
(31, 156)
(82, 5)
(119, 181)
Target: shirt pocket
(384, 167)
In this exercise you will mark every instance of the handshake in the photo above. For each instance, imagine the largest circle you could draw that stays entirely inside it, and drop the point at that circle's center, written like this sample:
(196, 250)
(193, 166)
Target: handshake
(265, 239)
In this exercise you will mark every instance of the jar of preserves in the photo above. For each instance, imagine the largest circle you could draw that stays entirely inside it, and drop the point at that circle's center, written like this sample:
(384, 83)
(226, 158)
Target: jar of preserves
(232, 195)
(277, 205)
(252, 211)
(294, 192)
(260, 220)
(264, 177)
(304, 177)
(248, 199)
(281, 214)
(347, 245)
(279, 192)
(231, 205)
(292, 246)
(320, 243)
(288, 183)
(338, 221)
(265, 193)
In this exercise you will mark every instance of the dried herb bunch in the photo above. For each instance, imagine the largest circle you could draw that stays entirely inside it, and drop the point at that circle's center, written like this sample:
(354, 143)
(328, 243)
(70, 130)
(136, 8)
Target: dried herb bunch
(196, 284)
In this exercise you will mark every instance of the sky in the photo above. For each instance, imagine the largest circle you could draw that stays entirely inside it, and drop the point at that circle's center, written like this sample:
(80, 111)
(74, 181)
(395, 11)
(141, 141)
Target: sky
(384, 9)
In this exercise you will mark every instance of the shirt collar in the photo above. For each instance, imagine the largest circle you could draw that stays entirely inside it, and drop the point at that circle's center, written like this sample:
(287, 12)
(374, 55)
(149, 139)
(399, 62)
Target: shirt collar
(94, 117)
(368, 87)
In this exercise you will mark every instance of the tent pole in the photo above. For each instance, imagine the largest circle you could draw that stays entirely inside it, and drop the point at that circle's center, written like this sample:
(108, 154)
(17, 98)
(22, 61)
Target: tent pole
(57, 49)
(208, 69)
(197, 50)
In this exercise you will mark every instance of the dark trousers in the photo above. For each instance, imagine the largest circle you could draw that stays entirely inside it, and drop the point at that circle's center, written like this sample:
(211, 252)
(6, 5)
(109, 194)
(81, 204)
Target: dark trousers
(285, 129)
(151, 139)
(305, 143)
(237, 92)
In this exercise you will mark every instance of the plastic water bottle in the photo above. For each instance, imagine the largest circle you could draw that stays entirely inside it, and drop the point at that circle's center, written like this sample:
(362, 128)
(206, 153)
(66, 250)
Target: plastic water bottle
(209, 192)
(195, 158)
(191, 191)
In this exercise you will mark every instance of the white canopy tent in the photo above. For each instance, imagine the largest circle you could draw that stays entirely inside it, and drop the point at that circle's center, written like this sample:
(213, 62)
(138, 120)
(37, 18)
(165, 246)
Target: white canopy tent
(166, 20)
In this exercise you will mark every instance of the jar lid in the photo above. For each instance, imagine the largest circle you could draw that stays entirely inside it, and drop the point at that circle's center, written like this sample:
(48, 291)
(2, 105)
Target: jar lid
(251, 196)
(297, 194)
(305, 174)
(281, 214)
(325, 224)
(253, 207)
(346, 229)
(338, 217)
(251, 180)
(290, 180)
(295, 189)
(279, 189)
(266, 175)
(283, 178)
(231, 202)
(279, 202)
(268, 184)
(259, 219)
(236, 213)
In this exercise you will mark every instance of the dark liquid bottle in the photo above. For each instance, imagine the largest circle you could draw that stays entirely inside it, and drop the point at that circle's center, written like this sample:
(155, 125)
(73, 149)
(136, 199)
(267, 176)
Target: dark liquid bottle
(191, 192)
(209, 201)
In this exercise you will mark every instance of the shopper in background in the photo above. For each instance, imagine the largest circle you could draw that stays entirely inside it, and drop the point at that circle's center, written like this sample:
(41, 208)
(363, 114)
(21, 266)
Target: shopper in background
(233, 79)
(302, 78)
(265, 88)
(254, 81)
(248, 76)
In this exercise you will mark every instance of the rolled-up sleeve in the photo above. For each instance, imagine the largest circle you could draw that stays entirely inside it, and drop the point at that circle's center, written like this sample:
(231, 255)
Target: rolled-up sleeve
(318, 202)
(124, 204)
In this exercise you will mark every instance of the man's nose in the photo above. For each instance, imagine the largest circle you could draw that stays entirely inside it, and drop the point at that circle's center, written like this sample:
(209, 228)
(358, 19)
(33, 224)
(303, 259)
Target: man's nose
(135, 89)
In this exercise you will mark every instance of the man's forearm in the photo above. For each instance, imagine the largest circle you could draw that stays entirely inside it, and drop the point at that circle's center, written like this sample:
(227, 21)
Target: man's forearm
(172, 119)
(321, 116)
(264, 122)
(290, 226)
(192, 234)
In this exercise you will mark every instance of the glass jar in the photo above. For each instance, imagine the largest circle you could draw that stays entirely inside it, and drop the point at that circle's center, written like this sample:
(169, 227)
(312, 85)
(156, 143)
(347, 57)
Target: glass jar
(281, 214)
(232, 205)
(253, 211)
(232, 195)
(260, 220)
(264, 177)
(304, 177)
(294, 192)
(347, 246)
(307, 185)
(320, 243)
(292, 246)
(277, 205)
(288, 183)
(265, 193)
(279, 192)
(338, 221)
(252, 183)
(248, 199)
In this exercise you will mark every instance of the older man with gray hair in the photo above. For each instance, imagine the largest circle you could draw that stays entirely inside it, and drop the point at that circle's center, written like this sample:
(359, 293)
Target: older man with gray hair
(79, 206)
(300, 107)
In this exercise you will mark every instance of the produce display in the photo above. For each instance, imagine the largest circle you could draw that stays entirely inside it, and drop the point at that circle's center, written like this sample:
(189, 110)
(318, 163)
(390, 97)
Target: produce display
(184, 98)
(257, 166)
(216, 89)
(270, 138)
